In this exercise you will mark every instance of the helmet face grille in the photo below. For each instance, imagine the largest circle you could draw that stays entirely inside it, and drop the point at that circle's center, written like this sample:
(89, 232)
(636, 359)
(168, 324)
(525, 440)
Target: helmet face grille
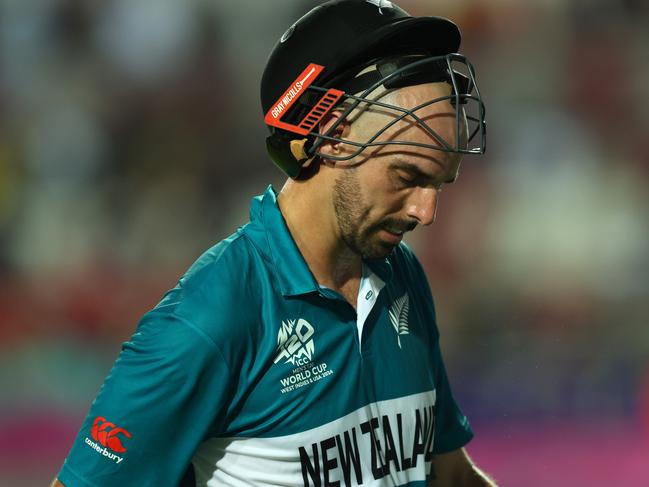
(469, 134)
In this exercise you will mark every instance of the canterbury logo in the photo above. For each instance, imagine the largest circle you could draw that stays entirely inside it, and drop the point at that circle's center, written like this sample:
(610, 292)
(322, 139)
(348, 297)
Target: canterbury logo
(294, 342)
(399, 316)
(106, 433)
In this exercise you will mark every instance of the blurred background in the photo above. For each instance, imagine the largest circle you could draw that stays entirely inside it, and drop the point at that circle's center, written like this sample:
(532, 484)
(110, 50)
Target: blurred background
(131, 139)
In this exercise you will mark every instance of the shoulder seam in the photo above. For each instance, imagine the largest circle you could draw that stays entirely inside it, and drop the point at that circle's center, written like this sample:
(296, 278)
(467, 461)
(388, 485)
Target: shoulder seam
(205, 337)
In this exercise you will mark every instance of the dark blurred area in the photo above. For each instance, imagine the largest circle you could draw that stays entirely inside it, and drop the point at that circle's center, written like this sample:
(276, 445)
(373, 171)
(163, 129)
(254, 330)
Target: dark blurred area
(131, 139)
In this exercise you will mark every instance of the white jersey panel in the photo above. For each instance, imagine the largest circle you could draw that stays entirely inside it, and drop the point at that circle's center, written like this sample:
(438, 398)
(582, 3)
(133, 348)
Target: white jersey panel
(386, 443)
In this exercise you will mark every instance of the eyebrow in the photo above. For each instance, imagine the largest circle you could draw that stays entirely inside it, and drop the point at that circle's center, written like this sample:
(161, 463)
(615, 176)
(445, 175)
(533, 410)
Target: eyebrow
(418, 173)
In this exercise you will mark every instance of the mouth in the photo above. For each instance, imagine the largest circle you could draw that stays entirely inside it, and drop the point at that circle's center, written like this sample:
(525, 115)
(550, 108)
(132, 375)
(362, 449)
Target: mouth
(392, 230)
(392, 236)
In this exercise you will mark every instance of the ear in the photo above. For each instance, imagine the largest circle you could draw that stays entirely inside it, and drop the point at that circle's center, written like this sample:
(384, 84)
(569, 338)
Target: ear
(342, 130)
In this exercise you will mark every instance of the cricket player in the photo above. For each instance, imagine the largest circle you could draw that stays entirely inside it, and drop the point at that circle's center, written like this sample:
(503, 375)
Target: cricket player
(303, 349)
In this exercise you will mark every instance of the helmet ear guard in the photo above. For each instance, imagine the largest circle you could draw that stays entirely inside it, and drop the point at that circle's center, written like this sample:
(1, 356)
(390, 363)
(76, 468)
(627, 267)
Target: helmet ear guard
(287, 152)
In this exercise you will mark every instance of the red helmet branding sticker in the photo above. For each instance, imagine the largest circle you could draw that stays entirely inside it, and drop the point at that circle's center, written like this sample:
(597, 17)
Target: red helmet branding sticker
(293, 93)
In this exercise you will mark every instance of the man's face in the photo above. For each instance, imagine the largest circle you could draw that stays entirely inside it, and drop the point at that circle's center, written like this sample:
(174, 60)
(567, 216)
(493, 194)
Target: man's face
(389, 190)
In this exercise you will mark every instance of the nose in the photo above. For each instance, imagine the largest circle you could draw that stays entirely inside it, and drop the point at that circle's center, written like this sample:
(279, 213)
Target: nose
(422, 205)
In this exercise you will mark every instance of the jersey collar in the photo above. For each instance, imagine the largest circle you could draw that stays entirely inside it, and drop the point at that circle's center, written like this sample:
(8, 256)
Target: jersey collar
(292, 272)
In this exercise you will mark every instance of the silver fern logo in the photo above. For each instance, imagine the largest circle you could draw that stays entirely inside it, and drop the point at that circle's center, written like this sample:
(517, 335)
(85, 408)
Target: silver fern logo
(381, 4)
(399, 316)
(294, 342)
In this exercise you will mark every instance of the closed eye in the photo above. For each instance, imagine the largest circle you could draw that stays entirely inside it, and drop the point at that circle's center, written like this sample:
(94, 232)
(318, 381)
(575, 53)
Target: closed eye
(410, 175)
(409, 180)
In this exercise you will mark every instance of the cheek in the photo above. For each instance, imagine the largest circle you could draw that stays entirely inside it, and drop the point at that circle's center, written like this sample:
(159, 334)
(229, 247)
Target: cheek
(384, 203)
(380, 192)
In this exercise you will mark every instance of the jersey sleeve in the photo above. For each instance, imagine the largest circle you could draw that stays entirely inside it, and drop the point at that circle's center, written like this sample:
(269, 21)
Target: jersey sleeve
(452, 429)
(169, 386)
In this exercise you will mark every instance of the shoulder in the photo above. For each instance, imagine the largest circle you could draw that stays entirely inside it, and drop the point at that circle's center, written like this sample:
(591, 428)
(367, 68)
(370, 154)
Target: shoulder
(218, 289)
(220, 267)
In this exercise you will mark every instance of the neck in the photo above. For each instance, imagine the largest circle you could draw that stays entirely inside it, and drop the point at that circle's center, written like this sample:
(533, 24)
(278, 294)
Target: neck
(309, 215)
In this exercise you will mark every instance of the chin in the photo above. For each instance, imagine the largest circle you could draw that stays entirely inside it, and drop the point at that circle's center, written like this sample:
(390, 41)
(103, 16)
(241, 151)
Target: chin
(378, 251)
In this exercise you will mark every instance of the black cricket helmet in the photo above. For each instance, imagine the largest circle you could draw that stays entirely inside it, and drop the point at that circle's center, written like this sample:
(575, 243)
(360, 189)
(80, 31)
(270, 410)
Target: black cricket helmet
(341, 51)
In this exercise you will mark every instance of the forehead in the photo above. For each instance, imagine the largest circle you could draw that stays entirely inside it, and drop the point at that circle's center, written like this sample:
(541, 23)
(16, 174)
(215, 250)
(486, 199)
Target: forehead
(412, 96)
(427, 104)
(426, 170)
(426, 166)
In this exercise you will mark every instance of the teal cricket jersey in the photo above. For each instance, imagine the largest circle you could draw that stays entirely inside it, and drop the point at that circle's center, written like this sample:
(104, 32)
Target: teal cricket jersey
(256, 375)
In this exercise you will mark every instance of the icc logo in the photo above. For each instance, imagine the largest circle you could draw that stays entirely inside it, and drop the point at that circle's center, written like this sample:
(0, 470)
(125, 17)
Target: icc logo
(294, 342)
(106, 433)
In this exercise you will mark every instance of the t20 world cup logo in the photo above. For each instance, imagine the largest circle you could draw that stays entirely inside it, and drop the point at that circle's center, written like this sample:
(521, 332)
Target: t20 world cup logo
(294, 342)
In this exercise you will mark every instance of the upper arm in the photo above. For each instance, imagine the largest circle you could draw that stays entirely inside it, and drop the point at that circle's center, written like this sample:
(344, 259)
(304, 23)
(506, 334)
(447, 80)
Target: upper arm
(171, 386)
(168, 389)
(448, 468)
(456, 469)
